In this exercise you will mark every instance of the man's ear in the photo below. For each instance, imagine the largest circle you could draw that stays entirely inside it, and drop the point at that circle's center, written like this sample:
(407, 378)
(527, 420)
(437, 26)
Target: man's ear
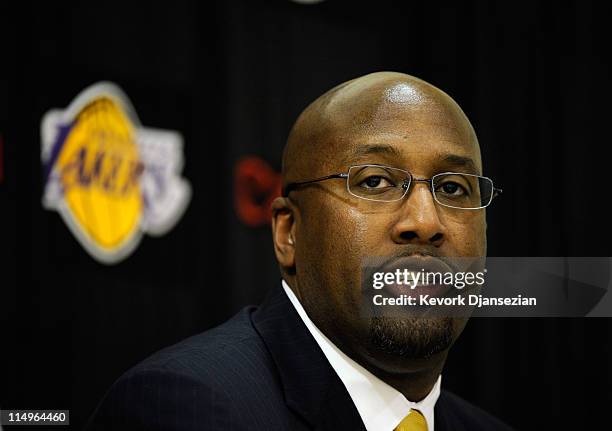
(283, 232)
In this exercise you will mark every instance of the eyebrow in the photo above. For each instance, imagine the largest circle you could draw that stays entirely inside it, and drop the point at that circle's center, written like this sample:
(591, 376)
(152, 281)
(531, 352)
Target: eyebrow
(366, 150)
(459, 161)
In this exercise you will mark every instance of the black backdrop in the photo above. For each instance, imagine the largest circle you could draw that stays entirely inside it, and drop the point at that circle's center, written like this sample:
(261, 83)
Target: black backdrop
(231, 77)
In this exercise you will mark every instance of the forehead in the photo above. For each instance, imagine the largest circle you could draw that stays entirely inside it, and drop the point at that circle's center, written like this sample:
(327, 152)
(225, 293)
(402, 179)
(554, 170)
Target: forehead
(405, 127)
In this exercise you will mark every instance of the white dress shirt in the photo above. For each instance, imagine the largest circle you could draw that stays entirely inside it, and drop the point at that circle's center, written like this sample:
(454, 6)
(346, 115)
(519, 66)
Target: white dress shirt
(380, 406)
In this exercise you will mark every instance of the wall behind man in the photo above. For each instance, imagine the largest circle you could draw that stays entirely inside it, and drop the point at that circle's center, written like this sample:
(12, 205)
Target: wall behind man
(232, 76)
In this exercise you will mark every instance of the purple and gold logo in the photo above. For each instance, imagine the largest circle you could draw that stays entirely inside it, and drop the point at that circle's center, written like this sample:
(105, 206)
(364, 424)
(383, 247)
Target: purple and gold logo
(111, 179)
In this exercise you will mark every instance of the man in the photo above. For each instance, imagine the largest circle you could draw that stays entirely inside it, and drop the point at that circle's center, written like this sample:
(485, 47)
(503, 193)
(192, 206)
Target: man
(362, 174)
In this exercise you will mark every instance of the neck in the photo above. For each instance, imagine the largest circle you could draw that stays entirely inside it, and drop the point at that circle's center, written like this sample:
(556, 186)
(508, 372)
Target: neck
(414, 378)
(415, 384)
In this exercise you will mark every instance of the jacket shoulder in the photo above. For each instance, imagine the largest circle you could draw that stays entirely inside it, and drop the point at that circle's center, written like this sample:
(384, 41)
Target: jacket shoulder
(208, 381)
(214, 354)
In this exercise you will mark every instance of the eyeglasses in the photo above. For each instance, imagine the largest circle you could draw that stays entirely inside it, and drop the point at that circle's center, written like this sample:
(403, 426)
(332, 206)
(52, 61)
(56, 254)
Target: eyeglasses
(387, 184)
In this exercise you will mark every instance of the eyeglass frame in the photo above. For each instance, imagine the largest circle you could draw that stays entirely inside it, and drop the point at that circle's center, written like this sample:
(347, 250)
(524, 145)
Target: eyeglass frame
(345, 175)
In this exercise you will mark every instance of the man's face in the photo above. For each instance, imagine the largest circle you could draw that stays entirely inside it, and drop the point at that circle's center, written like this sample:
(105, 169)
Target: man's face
(335, 231)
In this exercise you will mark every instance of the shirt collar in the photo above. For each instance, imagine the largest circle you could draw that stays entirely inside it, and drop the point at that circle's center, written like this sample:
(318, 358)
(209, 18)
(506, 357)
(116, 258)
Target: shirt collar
(380, 406)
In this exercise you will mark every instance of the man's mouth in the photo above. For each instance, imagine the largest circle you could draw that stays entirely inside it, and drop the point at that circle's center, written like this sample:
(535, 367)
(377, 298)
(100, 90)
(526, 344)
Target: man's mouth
(417, 275)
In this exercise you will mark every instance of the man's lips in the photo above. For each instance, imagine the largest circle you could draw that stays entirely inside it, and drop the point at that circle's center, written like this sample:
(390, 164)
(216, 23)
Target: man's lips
(417, 263)
(422, 267)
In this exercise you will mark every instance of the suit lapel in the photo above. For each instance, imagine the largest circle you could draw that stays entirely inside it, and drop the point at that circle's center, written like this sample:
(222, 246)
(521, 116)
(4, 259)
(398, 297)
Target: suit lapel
(312, 388)
(441, 412)
(338, 412)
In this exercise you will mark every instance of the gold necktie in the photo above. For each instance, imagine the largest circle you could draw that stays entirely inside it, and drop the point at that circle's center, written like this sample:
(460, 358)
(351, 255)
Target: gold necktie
(414, 421)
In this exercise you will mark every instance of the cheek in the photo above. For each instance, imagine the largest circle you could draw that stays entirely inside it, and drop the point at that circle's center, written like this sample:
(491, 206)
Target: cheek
(468, 237)
(326, 236)
(349, 230)
(333, 244)
(359, 225)
(370, 233)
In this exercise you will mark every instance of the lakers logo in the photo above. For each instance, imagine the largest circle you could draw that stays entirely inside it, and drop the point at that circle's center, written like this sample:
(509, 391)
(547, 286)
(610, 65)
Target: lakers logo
(111, 179)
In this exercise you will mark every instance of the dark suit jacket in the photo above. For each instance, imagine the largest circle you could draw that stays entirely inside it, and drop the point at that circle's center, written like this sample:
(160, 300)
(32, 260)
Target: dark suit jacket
(261, 370)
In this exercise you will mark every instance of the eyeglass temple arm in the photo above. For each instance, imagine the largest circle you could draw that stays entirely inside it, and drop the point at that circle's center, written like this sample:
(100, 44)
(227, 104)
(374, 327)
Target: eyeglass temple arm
(289, 187)
(497, 192)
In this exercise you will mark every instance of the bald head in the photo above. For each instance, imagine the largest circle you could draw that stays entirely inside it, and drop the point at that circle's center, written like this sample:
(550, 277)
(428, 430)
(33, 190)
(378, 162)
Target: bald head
(362, 108)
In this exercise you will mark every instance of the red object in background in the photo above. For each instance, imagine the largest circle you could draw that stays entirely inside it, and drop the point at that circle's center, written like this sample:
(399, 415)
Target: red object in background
(256, 185)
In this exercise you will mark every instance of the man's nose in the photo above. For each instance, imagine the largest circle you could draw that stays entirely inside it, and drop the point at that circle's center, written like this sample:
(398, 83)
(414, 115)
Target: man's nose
(418, 221)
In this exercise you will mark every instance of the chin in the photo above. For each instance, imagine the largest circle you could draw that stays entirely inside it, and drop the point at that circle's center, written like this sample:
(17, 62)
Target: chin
(411, 338)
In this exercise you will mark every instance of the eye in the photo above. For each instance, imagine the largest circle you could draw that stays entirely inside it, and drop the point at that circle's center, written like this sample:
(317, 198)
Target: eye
(376, 182)
(452, 188)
